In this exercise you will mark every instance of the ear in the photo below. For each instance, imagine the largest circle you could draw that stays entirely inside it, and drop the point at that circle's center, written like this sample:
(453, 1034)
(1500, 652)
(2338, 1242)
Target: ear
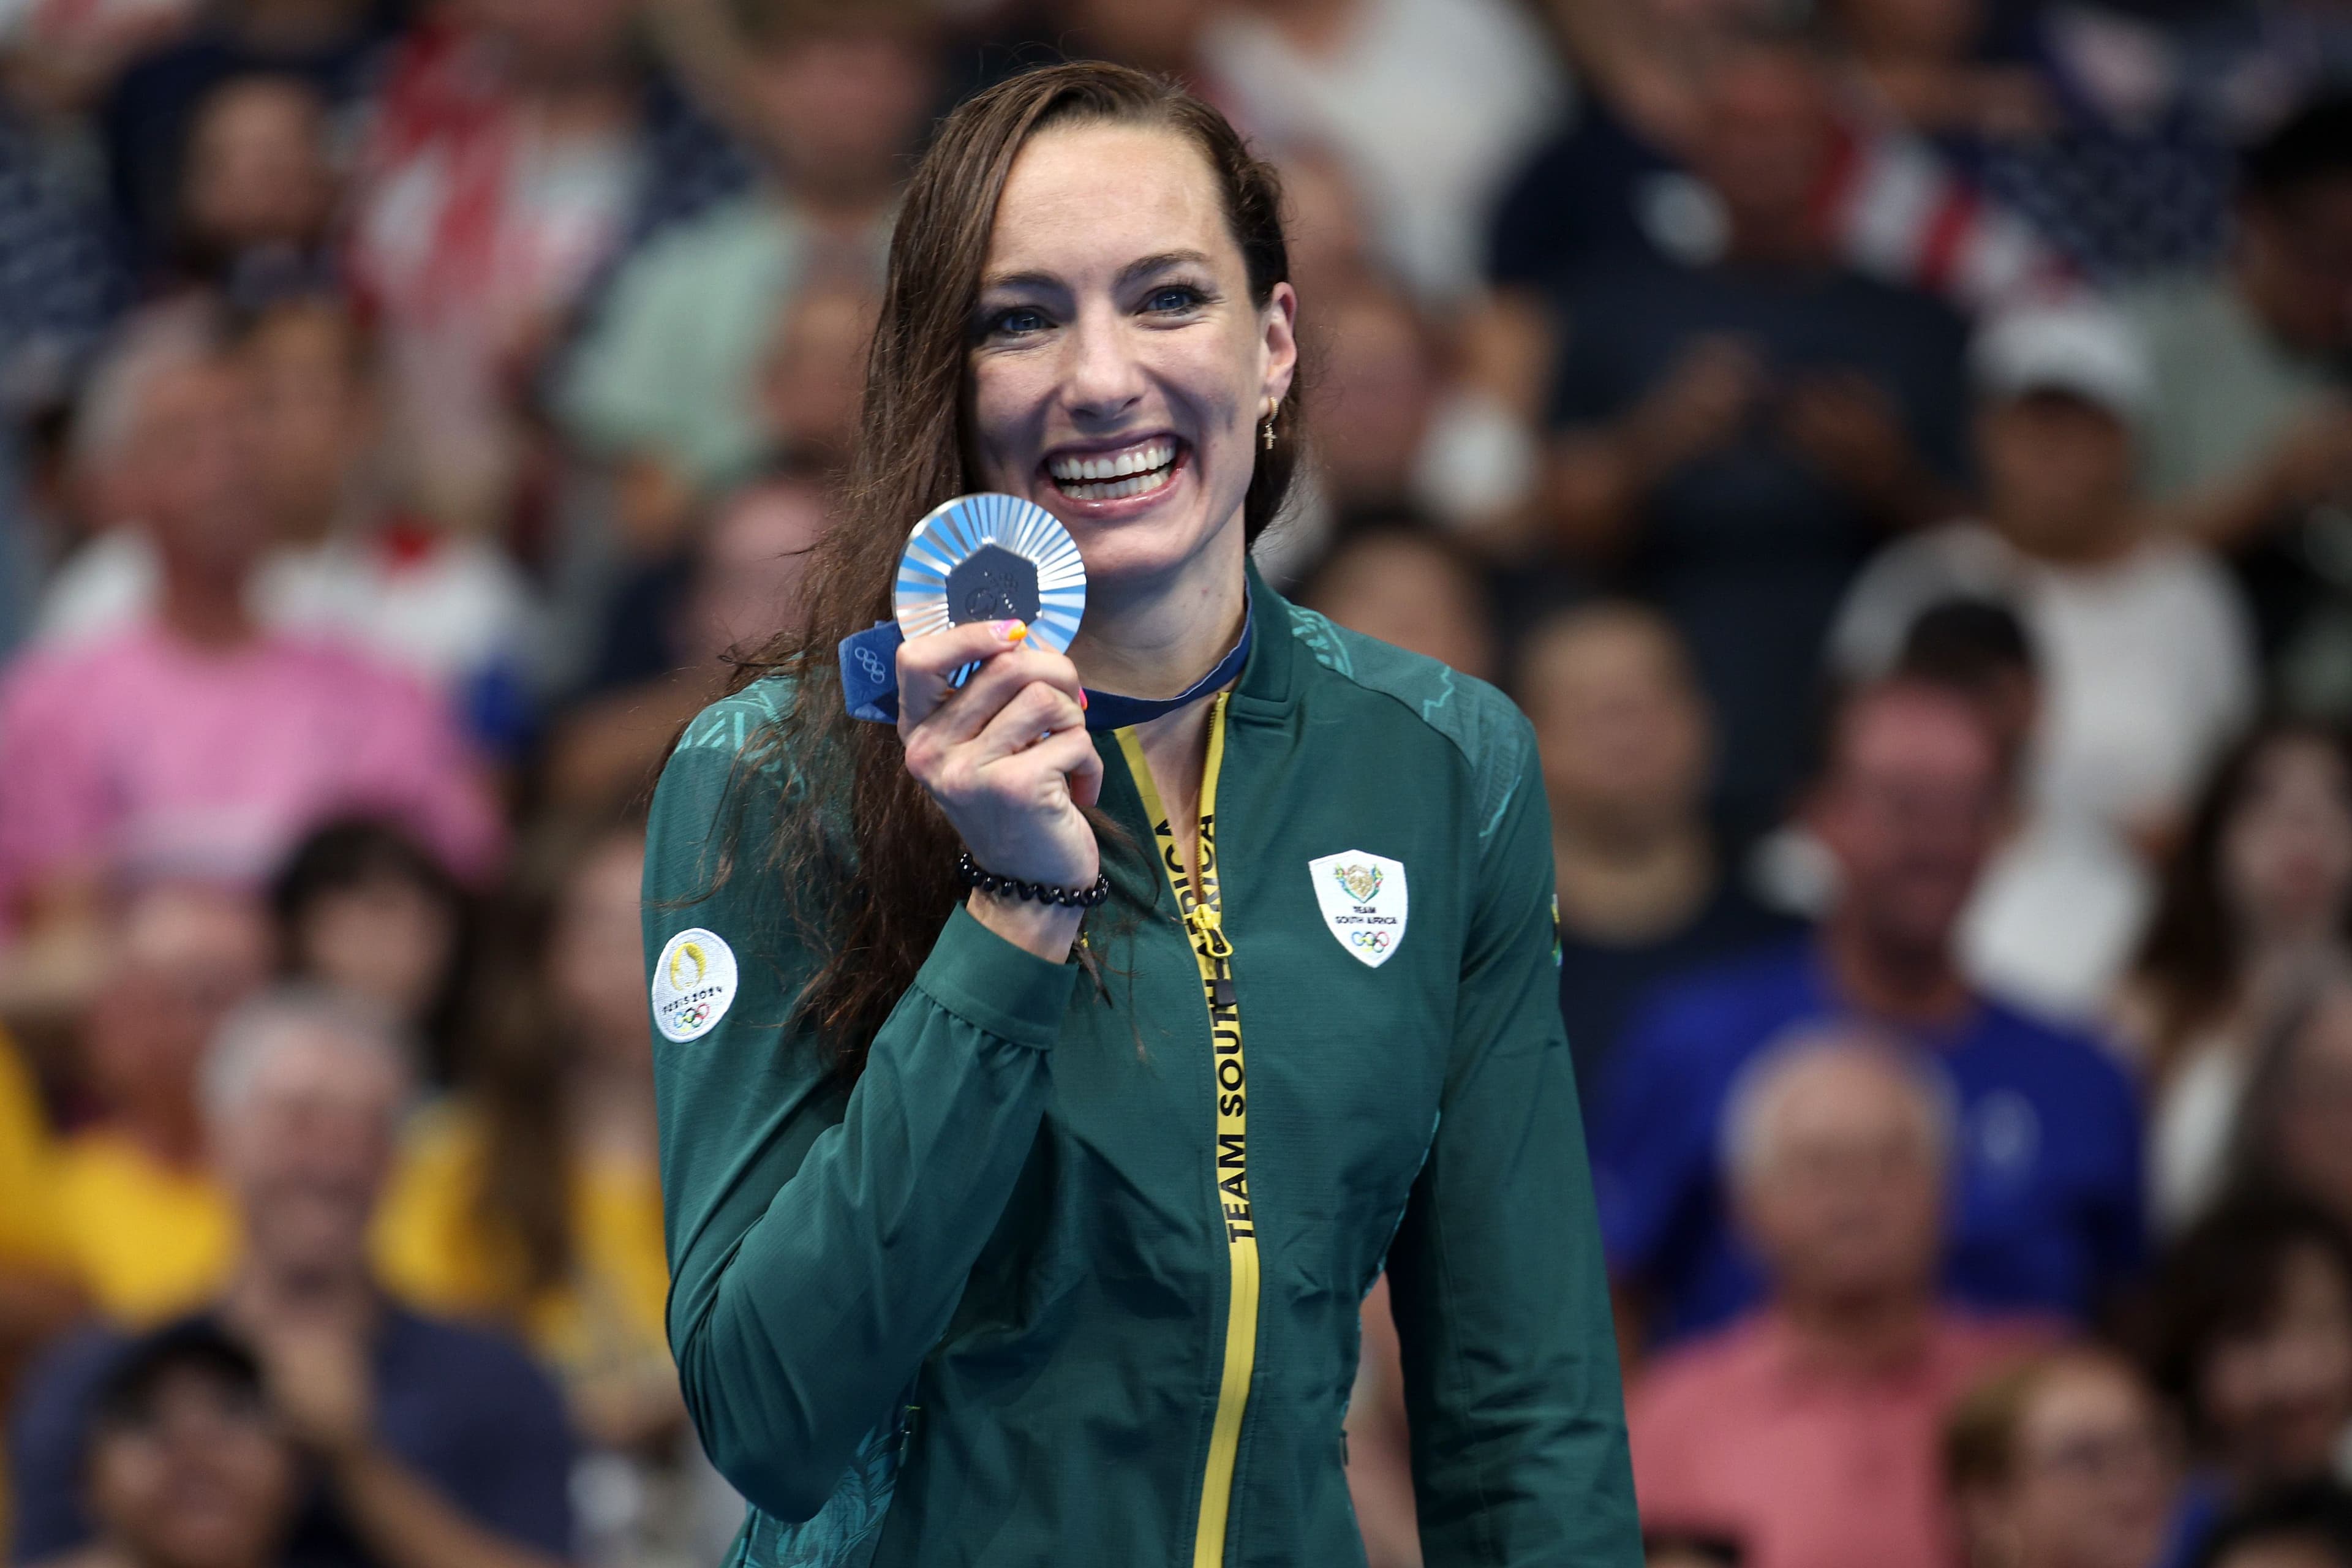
(1278, 327)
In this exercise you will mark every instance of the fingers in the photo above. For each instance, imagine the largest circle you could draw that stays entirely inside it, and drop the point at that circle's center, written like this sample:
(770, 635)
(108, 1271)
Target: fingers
(1033, 711)
(965, 713)
(925, 662)
(1071, 753)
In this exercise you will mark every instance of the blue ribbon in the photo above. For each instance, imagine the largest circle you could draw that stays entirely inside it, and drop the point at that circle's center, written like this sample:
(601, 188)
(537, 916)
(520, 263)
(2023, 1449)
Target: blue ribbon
(869, 679)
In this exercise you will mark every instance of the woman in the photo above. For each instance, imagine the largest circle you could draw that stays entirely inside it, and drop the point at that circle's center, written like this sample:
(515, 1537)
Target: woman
(984, 1253)
(362, 907)
(2064, 1461)
(2258, 899)
(2249, 1334)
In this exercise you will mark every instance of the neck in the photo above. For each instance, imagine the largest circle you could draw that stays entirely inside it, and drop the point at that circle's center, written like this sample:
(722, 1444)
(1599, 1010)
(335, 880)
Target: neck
(1889, 980)
(1154, 639)
(1630, 886)
(1863, 1332)
(267, 1291)
(1774, 240)
(206, 609)
(2099, 540)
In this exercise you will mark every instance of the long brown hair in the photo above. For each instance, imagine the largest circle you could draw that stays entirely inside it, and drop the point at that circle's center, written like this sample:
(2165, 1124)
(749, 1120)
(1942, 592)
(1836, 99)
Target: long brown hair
(869, 903)
(2189, 962)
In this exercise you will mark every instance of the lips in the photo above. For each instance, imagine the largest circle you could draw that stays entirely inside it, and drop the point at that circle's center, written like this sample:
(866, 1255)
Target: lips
(1116, 473)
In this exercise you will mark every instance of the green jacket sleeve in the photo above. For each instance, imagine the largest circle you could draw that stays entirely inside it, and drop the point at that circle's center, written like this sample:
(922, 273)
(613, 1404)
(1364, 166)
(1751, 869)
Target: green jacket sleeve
(819, 1239)
(1495, 1274)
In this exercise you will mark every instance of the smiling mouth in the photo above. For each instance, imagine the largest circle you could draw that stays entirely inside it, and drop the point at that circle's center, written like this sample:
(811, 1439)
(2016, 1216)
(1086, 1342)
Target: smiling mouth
(1140, 470)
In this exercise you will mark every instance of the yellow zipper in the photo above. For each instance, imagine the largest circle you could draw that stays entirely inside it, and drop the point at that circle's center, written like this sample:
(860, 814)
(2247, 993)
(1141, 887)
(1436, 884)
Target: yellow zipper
(1204, 923)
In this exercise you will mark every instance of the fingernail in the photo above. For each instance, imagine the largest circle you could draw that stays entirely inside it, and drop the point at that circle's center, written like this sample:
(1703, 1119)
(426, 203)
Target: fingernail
(1082, 699)
(1011, 631)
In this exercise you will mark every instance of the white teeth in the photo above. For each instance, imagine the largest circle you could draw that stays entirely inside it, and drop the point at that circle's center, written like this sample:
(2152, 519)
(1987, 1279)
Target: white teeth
(1134, 460)
(1120, 489)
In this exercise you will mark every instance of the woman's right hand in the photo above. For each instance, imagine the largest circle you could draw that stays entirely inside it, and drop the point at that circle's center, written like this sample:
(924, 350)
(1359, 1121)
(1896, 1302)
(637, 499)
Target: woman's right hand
(1008, 759)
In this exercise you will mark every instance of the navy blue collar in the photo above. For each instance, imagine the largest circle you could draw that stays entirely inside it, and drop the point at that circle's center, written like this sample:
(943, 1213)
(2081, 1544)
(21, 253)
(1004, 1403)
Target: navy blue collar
(869, 678)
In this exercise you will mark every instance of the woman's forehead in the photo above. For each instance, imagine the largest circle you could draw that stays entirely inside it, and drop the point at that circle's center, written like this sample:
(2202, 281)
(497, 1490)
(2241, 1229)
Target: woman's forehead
(1081, 203)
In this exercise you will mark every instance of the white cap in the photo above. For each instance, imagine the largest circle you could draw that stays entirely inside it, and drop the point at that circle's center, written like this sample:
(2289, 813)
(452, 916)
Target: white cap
(2082, 348)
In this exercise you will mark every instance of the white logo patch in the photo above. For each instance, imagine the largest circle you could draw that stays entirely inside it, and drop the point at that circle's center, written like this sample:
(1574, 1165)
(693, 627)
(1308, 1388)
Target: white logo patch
(694, 985)
(1363, 902)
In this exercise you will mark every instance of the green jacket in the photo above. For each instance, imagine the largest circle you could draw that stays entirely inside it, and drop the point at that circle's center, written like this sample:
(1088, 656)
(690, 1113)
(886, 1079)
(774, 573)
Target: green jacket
(1071, 1275)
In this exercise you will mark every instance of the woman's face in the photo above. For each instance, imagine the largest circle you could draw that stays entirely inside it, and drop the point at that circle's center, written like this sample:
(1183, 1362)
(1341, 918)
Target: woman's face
(2093, 1472)
(2279, 1395)
(388, 939)
(1118, 365)
(2286, 852)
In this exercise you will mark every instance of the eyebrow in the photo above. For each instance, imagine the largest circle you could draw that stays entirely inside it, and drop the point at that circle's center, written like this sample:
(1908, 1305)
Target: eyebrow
(1142, 266)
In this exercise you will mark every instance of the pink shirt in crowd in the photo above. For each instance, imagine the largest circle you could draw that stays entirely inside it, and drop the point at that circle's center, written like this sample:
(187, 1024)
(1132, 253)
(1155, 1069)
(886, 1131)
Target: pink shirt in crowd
(139, 751)
(1749, 1435)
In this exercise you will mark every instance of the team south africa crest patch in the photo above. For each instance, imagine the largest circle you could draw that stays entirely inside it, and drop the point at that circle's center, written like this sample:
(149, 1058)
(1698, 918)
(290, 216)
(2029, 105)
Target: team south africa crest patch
(1362, 898)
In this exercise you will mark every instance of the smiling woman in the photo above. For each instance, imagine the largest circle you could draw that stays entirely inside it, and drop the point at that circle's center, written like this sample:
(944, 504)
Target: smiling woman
(973, 1262)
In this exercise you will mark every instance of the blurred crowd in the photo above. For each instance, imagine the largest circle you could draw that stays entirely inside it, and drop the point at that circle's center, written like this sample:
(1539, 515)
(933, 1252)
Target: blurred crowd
(1898, 453)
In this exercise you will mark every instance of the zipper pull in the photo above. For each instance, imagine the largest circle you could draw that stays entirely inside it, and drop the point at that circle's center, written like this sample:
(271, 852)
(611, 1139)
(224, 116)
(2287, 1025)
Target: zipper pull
(1209, 930)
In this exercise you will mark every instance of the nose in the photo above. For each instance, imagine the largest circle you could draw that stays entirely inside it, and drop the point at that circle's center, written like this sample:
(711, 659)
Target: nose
(1101, 377)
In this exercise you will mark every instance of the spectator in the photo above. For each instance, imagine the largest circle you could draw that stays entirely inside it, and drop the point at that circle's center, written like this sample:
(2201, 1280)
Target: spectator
(1406, 586)
(518, 152)
(836, 96)
(2308, 1527)
(360, 908)
(2146, 659)
(2122, 171)
(1645, 894)
(149, 1229)
(141, 748)
(2256, 904)
(533, 1197)
(2250, 431)
(1429, 103)
(183, 1463)
(1837, 1144)
(1619, 183)
(259, 193)
(2045, 1179)
(2065, 1461)
(347, 561)
(333, 45)
(812, 374)
(430, 1443)
(1733, 437)
(745, 579)
(2250, 1331)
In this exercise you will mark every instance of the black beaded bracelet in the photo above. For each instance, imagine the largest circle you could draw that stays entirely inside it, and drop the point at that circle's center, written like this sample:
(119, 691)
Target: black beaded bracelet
(969, 870)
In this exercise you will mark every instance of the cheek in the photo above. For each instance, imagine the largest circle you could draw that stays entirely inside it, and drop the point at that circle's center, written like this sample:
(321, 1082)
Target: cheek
(1008, 398)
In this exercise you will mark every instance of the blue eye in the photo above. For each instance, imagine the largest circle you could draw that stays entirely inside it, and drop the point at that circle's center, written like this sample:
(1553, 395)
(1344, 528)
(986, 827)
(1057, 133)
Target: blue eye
(1174, 298)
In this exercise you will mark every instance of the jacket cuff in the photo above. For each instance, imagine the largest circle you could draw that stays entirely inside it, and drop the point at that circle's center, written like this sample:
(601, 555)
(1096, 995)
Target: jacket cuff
(997, 987)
